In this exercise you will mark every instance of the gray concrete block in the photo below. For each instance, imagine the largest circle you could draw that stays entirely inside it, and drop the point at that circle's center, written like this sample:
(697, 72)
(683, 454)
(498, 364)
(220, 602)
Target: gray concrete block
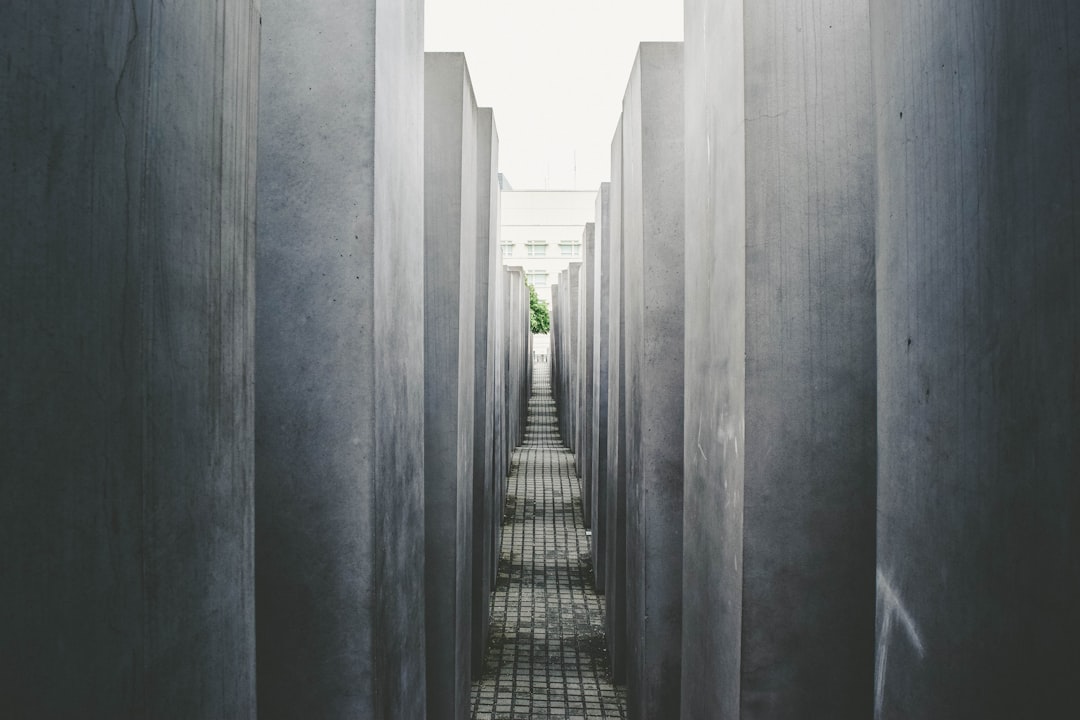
(573, 341)
(126, 350)
(340, 374)
(615, 558)
(978, 209)
(715, 379)
(567, 355)
(553, 351)
(499, 411)
(558, 349)
(652, 298)
(599, 289)
(508, 442)
(585, 369)
(513, 390)
(524, 357)
(555, 348)
(518, 355)
(780, 367)
(487, 263)
(450, 239)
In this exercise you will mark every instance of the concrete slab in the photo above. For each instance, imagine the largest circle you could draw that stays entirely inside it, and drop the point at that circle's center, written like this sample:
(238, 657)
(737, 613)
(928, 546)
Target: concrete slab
(978, 210)
(599, 381)
(653, 300)
(127, 193)
(340, 345)
(780, 355)
(585, 370)
(560, 343)
(450, 239)
(572, 373)
(569, 306)
(519, 354)
(615, 560)
(499, 412)
(487, 263)
(507, 353)
(555, 349)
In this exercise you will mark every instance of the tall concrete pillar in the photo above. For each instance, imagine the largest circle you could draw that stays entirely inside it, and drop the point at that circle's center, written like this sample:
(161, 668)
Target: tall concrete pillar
(554, 349)
(499, 410)
(450, 292)
(652, 232)
(340, 422)
(615, 558)
(573, 322)
(978, 229)
(511, 384)
(559, 324)
(529, 350)
(598, 278)
(517, 309)
(508, 322)
(780, 361)
(585, 368)
(488, 263)
(524, 355)
(568, 352)
(127, 198)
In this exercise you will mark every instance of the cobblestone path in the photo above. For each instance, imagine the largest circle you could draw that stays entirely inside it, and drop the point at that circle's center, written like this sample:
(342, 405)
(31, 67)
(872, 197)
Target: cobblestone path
(547, 655)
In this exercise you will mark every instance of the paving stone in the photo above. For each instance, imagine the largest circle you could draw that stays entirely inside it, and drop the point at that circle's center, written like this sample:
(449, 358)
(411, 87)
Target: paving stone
(547, 656)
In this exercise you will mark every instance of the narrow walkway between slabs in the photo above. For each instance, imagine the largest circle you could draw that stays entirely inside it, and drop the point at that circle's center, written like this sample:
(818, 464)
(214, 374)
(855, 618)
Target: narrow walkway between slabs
(547, 656)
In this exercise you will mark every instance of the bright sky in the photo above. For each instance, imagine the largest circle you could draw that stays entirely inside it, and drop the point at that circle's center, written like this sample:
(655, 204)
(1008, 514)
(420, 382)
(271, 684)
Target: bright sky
(555, 72)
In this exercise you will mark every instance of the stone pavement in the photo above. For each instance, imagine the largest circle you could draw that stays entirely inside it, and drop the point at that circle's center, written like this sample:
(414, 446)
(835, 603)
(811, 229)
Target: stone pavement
(547, 656)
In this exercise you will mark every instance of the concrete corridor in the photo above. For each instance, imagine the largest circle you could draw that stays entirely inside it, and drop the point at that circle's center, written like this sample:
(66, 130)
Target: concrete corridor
(546, 657)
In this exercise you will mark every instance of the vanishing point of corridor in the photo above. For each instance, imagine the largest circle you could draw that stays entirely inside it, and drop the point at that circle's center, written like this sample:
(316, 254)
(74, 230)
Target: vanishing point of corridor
(547, 655)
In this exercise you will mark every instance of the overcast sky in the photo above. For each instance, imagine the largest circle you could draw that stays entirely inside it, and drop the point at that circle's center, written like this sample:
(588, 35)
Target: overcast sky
(555, 72)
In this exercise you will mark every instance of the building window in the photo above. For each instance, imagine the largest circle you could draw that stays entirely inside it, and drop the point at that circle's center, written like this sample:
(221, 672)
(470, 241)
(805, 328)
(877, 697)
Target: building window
(570, 249)
(508, 249)
(535, 249)
(537, 279)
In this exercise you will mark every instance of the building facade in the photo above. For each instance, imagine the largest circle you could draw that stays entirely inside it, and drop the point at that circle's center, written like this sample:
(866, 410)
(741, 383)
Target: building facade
(542, 231)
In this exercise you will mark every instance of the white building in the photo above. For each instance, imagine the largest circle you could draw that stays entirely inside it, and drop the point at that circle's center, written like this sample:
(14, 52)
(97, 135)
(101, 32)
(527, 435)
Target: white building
(542, 230)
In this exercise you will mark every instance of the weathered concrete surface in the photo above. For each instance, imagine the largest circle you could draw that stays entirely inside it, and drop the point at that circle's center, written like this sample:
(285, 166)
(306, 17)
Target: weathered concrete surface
(599, 379)
(572, 371)
(515, 277)
(126, 356)
(515, 352)
(450, 239)
(569, 333)
(507, 324)
(780, 368)
(487, 264)
(518, 355)
(559, 329)
(715, 378)
(585, 369)
(567, 326)
(554, 350)
(652, 297)
(978, 178)
(340, 372)
(615, 558)
(499, 466)
(560, 323)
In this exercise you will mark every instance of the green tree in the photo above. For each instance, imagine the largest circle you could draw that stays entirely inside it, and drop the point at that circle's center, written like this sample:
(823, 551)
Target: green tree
(539, 319)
